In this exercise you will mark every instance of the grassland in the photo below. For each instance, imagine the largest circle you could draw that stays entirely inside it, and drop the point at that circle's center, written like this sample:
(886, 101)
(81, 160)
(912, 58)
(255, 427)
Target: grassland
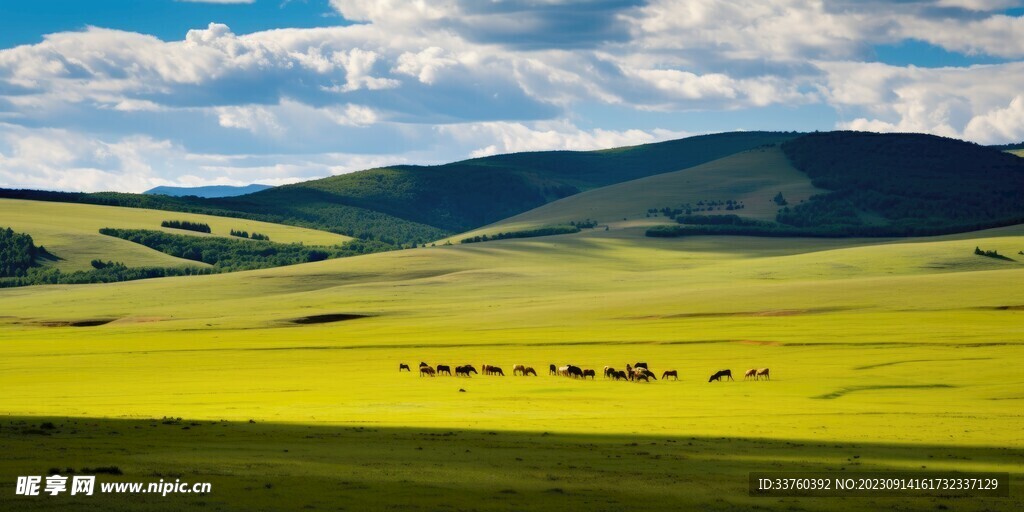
(754, 177)
(904, 352)
(1018, 152)
(71, 232)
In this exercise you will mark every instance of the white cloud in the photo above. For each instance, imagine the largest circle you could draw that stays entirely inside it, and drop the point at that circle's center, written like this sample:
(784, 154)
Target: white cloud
(503, 137)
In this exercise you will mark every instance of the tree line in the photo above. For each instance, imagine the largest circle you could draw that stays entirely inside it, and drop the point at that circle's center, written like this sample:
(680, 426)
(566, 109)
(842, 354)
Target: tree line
(184, 224)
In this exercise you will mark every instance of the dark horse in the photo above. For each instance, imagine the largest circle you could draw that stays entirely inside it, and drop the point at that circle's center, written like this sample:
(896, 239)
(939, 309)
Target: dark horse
(403, 366)
(641, 365)
(495, 370)
(422, 364)
(670, 373)
(464, 370)
(575, 372)
(443, 368)
(719, 374)
(552, 370)
(589, 373)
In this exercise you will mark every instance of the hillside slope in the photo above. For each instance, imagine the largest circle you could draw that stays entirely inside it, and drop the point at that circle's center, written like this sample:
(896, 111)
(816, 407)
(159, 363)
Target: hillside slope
(71, 232)
(753, 177)
(405, 204)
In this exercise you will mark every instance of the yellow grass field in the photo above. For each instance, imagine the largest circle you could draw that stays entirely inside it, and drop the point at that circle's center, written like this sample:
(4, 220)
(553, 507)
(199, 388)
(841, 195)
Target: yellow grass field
(71, 231)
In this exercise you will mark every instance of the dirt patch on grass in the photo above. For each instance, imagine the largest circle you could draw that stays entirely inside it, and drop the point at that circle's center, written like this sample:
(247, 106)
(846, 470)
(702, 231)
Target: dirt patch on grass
(326, 318)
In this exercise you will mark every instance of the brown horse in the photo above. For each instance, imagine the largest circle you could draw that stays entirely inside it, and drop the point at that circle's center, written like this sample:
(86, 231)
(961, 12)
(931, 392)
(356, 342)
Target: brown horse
(464, 370)
(763, 372)
(670, 373)
(719, 374)
(751, 373)
(620, 375)
(403, 366)
(426, 370)
(529, 371)
(640, 376)
(495, 370)
(443, 368)
(589, 373)
(519, 369)
(608, 371)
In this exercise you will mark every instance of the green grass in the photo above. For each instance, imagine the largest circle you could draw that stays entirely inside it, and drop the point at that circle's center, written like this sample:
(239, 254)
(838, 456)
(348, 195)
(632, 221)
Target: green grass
(1018, 152)
(753, 177)
(71, 231)
(272, 466)
(913, 342)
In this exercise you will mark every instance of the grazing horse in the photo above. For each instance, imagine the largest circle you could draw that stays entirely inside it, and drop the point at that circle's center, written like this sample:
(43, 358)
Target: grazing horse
(575, 372)
(519, 369)
(750, 373)
(620, 375)
(646, 373)
(494, 370)
(641, 365)
(589, 373)
(552, 370)
(563, 371)
(529, 371)
(763, 372)
(485, 369)
(443, 368)
(608, 371)
(403, 366)
(426, 370)
(640, 376)
(670, 373)
(464, 370)
(719, 374)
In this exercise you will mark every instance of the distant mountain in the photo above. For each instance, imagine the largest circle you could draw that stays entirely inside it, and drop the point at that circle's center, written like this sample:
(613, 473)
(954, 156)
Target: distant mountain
(211, 191)
(1009, 147)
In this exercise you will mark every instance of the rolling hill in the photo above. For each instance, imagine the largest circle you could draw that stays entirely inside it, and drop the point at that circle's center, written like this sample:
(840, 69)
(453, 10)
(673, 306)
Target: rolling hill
(752, 177)
(71, 232)
(211, 191)
(404, 204)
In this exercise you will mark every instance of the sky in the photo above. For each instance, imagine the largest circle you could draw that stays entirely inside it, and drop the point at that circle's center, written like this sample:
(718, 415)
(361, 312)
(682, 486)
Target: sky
(127, 95)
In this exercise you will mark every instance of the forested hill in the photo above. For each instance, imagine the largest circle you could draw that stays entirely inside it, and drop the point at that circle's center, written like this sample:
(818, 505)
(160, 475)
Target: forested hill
(416, 204)
(904, 184)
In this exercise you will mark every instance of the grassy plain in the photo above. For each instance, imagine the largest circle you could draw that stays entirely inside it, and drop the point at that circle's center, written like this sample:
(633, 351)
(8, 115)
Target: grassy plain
(71, 231)
(904, 350)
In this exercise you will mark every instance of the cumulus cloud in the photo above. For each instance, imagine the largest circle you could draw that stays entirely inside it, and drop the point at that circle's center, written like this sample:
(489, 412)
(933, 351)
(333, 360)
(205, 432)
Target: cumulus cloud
(434, 81)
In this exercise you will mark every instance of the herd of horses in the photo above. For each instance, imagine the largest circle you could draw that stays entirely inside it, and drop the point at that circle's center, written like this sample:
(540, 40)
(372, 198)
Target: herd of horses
(633, 373)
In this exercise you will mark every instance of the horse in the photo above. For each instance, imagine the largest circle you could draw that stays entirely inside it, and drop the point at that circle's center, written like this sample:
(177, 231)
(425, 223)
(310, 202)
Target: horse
(426, 370)
(647, 374)
(529, 370)
(494, 370)
(575, 372)
(464, 370)
(563, 371)
(642, 376)
(719, 374)
(589, 373)
(640, 365)
(519, 369)
(670, 373)
(422, 364)
(620, 375)
(443, 368)
(552, 370)
(763, 372)
(750, 373)
(403, 366)
(485, 369)
(608, 371)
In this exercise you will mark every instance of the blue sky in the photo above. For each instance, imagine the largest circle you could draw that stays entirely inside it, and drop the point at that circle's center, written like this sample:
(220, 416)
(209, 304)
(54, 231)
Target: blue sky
(127, 95)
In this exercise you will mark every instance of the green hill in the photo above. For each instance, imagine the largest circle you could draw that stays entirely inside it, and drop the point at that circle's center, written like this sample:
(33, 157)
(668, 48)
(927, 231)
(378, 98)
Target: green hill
(405, 204)
(751, 178)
